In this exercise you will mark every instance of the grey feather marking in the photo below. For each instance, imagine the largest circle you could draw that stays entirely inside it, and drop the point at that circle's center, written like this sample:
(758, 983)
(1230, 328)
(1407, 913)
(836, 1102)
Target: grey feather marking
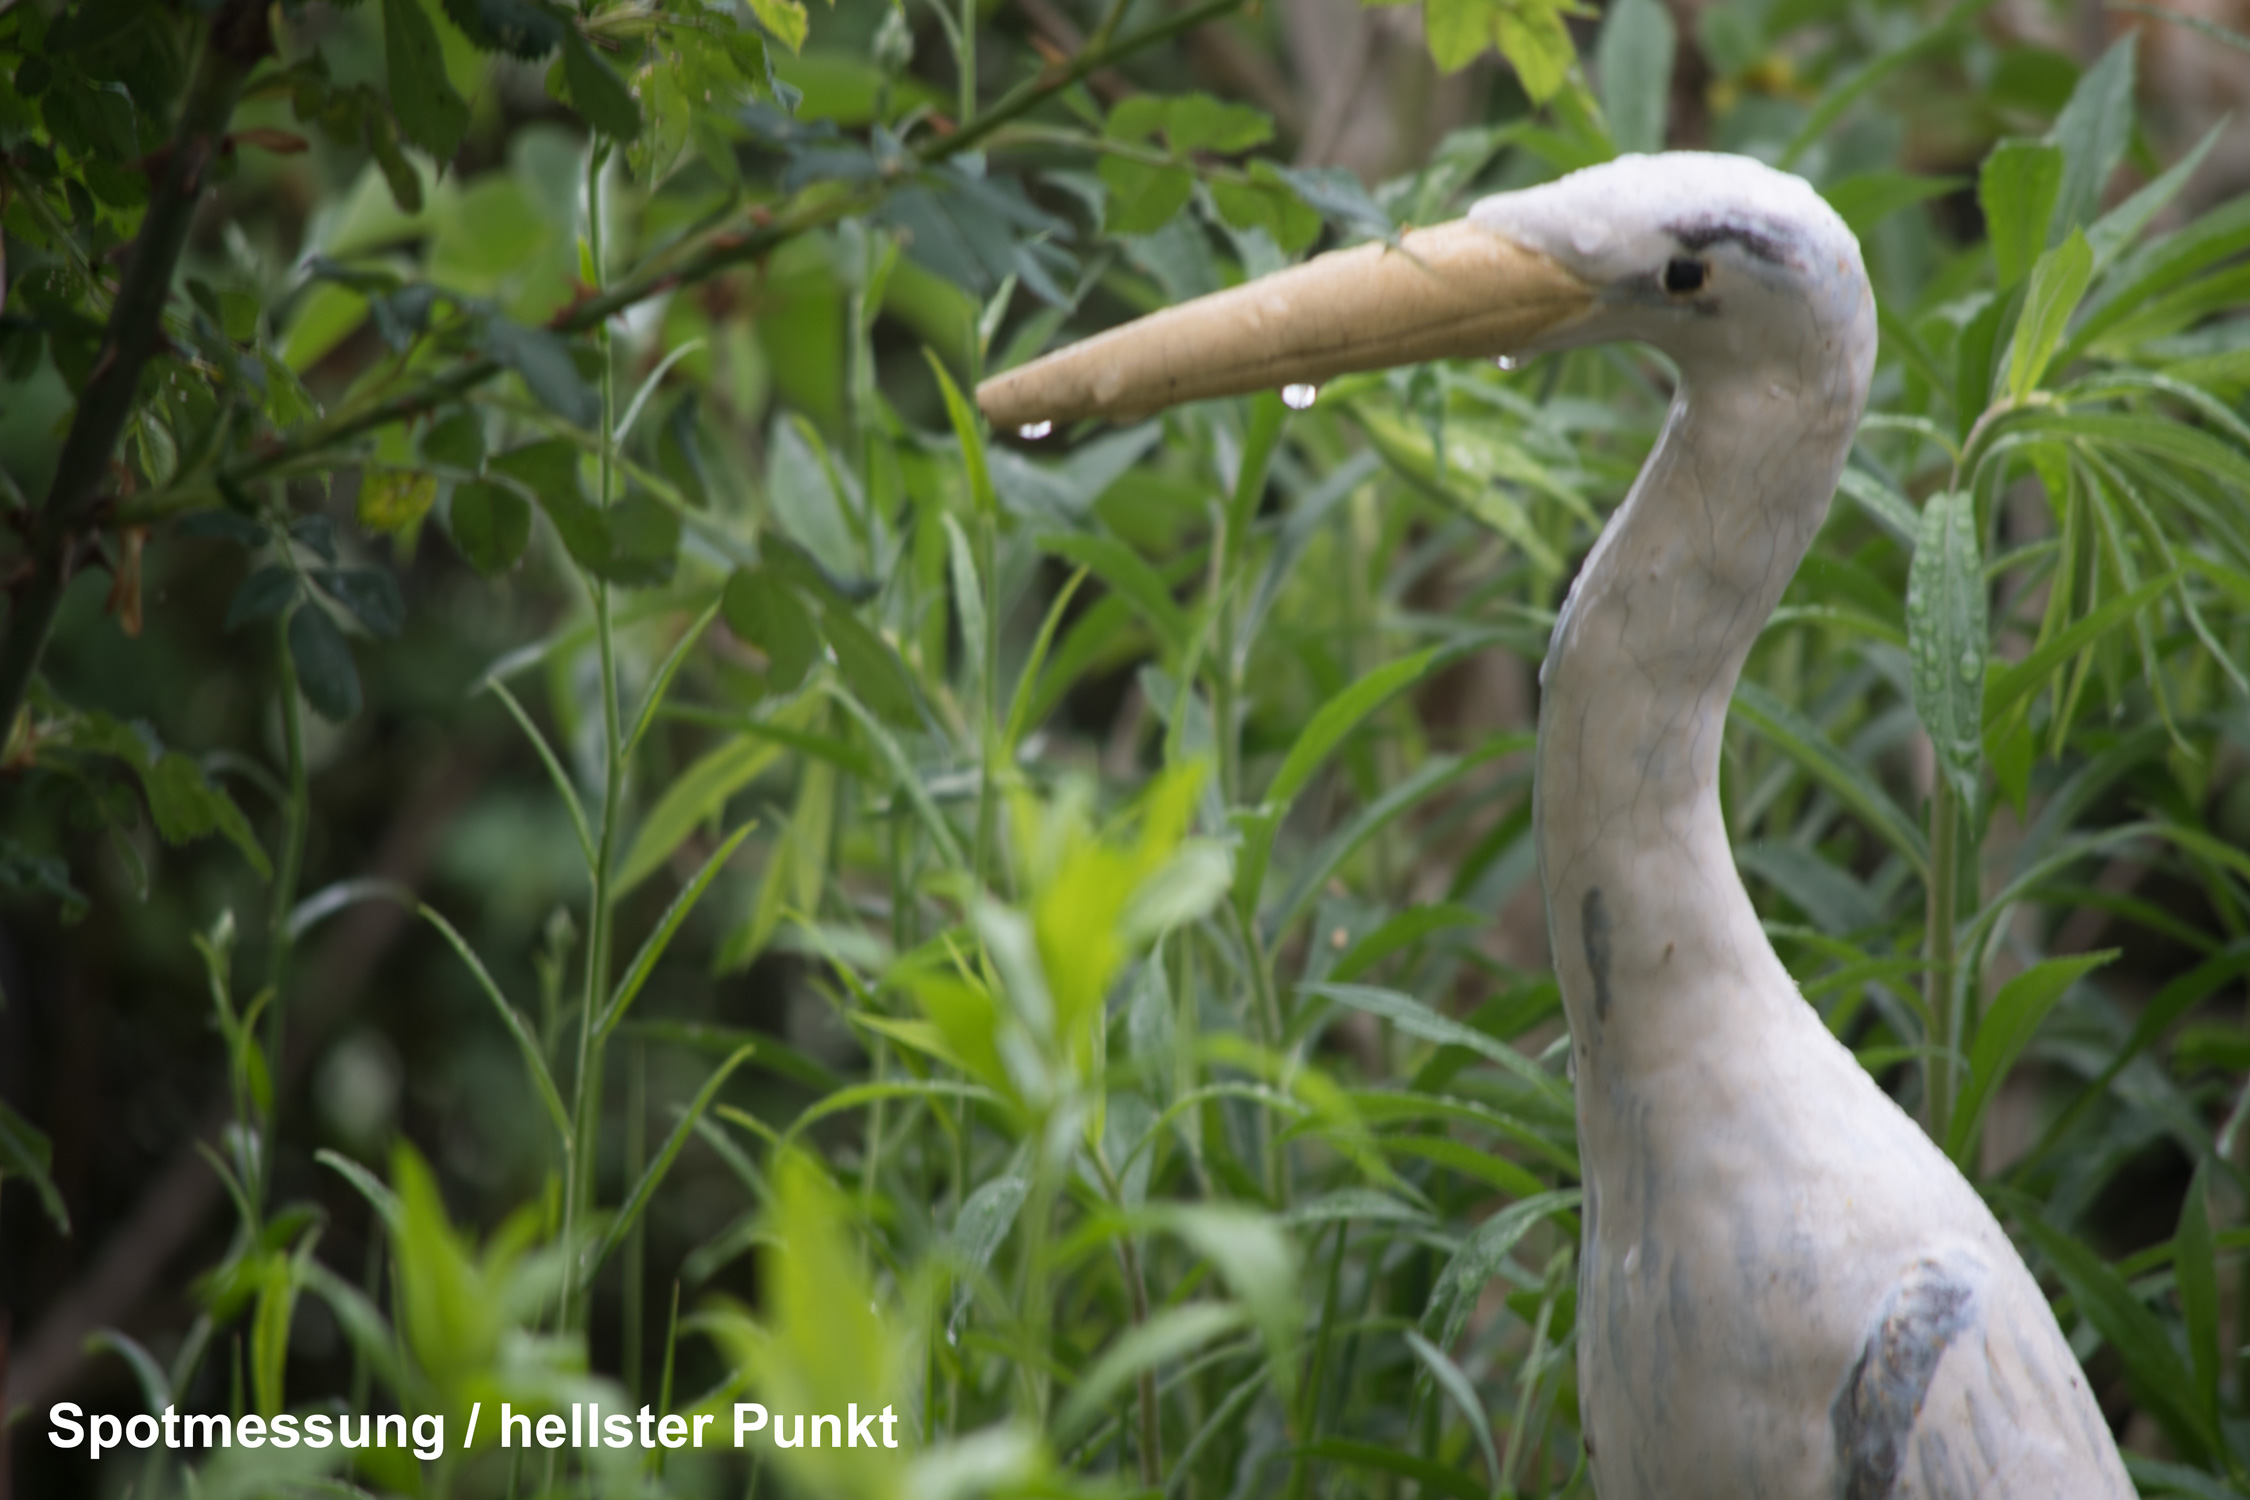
(1874, 1414)
(1593, 922)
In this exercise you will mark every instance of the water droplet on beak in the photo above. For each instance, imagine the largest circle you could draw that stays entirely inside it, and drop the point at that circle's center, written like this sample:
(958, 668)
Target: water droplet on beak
(1299, 397)
(1034, 431)
(1505, 362)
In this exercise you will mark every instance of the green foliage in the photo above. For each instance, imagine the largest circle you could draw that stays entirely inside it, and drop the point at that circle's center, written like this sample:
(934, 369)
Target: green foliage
(1030, 930)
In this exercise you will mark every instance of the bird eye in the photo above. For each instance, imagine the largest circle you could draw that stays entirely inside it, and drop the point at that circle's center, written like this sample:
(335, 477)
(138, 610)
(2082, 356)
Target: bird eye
(1683, 274)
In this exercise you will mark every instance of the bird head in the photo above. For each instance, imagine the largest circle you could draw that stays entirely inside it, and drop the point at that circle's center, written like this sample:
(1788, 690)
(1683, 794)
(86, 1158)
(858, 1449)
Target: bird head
(1719, 261)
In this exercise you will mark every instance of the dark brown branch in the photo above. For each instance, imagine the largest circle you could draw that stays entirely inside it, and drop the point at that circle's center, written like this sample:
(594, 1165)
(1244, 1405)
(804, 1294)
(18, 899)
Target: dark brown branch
(238, 37)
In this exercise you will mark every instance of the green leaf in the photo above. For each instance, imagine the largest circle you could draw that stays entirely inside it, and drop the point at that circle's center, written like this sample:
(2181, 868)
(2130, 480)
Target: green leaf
(1454, 1295)
(2004, 1031)
(186, 806)
(1463, 1395)
(872, 666)
(456, 440)
(1169, 1335)
(1142, 197)
(2196, 1269)
(447, 1313)
(264, 594)
(764, 609)
(269, 1334)
(535, 1057)
(1532, 37)
(636, 1202)
(1803, 743)
(2017, 187)
(1339, 716)
(694, 796)
(1419, 1020)
(1947, 638)
(667, 926)
(370, 594)
(1430, 1477)
(2160, 1384)
(968, 432)
(1128, 574)
(2058, 281)
(2116, 230)
(784, 19)
(2093, 131)
(326, 673)
(25, 1153)
(543, 361)
(528, 29)
(1198, 122)
(431, 114)
(2017, 680)
(1866, 199)
(490, 524)
(599, 94)
(392, 502)
(978, 1231)
(1633, 59)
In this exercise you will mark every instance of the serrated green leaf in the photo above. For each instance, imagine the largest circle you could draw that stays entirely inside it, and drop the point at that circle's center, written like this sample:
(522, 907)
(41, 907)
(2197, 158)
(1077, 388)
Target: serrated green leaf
(432, 115)
(491, 524)
(1947, 638)
(785, 20)
(326, 673)
(370, 594)
(599, 95)
(264, 594)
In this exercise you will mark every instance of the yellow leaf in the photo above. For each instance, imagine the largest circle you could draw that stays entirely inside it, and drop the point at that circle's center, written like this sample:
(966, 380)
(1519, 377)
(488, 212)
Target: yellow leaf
(395, 500)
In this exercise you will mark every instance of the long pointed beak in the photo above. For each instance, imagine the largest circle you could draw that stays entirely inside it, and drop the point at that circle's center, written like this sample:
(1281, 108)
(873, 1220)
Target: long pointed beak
(1453, 291)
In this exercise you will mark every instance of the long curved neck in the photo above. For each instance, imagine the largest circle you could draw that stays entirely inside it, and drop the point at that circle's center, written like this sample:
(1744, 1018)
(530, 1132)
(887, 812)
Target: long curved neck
(1654, 938)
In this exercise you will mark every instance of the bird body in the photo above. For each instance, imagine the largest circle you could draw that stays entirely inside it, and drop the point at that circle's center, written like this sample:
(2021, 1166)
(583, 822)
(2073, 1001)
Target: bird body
(1786, 1290)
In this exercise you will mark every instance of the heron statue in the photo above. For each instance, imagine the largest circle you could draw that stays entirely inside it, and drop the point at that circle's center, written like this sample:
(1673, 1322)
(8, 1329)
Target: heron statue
(1786, 1290)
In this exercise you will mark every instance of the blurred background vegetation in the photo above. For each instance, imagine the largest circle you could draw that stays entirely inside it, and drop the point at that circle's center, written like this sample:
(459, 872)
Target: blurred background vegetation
(573, 828)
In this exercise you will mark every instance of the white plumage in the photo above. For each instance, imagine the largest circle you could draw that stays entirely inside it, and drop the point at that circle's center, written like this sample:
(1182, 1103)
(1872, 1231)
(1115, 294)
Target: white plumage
(1786, 1290)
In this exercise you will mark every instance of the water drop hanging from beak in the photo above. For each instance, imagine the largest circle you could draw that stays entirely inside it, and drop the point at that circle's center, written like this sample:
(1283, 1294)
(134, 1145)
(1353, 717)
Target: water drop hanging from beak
(1299, 397)
(1504, 362)
(1034, 431)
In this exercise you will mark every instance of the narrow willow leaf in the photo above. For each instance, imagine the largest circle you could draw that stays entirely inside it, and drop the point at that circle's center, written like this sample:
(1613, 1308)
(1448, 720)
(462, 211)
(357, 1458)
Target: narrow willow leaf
(1462, 1281)
(2016, 188)
(1633, 59)
(657, 689)
(2196, 1270)
(2018, 680)
(978, 1231)
(1432, 1478)
(2004, 1031)
(2114, 231)
(636, 1202)
(968, 604)
(269, 1330)
(1463, 1395)
(1129, 575)
(1169, 1335)
(156, 1386)
(2093, 130)
(2058, 281)
(697, 794)
(1419, 1020)
(535, 1060)
(377, 1193)
(1946, 636)
(2159, 1382)
(966, 431)
(1802, 741)
(668, 925)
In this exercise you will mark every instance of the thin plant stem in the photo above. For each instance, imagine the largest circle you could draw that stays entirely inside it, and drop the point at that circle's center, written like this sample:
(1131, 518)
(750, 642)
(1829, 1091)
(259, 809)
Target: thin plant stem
(1938, 979)
(578, 1199)
(636, 1241)
(296, 813)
